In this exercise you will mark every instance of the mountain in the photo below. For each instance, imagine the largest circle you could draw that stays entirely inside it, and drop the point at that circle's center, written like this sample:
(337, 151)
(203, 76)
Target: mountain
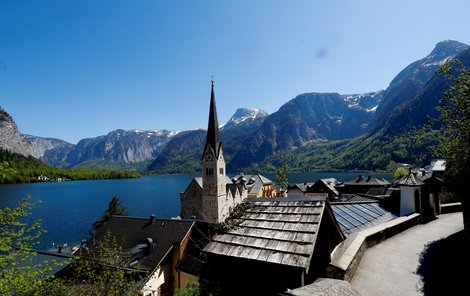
(245, 120)
(364, 131)
(10, 137)
(416, 111)
(183, 152)
(51, 151)
(296, 127)
(409, 82)
(118, 149)
(127, 146)
(310, 117)
(136, 148)
(400, 139)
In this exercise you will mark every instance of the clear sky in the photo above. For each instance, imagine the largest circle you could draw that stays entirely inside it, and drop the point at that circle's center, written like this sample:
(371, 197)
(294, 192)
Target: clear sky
(78, 69)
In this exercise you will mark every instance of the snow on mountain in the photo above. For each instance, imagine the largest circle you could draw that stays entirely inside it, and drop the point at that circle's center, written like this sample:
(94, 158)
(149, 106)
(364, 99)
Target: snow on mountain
(245, 116)
(366, 102)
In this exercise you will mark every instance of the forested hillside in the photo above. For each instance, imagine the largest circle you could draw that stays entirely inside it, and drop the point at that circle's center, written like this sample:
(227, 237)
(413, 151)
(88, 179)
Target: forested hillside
(28, 169)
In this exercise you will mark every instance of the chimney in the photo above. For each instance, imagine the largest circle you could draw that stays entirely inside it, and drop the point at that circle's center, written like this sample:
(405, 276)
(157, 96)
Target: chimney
(152, 218)
(150, 245)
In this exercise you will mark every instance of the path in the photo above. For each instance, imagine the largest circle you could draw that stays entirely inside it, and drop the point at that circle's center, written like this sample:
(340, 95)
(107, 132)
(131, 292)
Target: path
(389, 268)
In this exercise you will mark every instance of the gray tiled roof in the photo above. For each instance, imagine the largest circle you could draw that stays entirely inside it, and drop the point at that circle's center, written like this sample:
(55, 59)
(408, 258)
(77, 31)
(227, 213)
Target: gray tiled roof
(132, 231)
(353, 217)
(281, 232)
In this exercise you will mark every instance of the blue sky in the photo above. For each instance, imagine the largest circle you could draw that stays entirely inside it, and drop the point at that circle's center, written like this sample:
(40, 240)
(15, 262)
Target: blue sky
(78, 69)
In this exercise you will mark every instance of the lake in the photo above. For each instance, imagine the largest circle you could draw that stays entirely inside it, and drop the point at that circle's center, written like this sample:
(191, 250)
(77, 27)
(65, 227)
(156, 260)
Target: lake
(68, 209)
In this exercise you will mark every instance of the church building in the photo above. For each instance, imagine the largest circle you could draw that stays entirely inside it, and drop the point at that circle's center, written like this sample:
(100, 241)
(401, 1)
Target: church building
(212, 197)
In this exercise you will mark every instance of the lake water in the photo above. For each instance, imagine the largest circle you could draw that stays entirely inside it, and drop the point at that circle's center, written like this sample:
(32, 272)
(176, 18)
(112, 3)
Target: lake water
(68, 209)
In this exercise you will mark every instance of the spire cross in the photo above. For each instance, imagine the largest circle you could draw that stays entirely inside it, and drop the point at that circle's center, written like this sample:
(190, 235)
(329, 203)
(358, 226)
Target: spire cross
(212, 80)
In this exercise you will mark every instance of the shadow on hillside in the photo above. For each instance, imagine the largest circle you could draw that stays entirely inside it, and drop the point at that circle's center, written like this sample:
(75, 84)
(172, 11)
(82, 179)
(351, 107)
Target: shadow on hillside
(444, 266)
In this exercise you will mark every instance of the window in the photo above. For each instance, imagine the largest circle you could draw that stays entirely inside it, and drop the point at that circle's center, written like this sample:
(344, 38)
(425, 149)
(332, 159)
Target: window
(209, 171)
(221, 171)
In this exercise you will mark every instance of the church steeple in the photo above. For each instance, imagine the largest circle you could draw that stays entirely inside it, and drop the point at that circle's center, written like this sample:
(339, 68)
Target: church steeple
(213, 135)
(214, 180)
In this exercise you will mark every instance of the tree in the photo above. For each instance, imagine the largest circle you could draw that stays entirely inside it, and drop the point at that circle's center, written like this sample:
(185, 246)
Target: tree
(454, 108)
(115, 207)
(5, 171)
(101, 270)
(400, 172)
(281, 178)
(192, 289)
(19, 274)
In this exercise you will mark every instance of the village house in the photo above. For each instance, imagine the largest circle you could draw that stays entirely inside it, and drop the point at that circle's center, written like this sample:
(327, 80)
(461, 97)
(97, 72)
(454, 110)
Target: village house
(154, 247)
(256, 185)
(419, 191)
(363, 184)
(319, 188)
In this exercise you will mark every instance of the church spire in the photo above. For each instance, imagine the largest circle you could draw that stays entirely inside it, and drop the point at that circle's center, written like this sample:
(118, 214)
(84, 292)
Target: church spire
(213, 137)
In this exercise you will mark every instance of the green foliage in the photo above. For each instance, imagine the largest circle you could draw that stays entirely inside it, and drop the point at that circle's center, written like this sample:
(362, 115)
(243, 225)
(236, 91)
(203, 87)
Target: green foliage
(192, 289)
(101, 271)
(23, 169)
(19, 274)
(5, 171)
(399, 173)
(115, 207)
(449, 197)
(233, 220)
(454, 108)
(281, 177)
(374, 152)
(188, 162)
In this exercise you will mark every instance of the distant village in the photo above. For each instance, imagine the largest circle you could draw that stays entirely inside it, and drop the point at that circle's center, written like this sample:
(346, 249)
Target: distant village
(242, 235)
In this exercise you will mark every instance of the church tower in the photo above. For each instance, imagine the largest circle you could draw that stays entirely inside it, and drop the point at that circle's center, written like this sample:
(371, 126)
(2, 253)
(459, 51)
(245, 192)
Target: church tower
(214, 180)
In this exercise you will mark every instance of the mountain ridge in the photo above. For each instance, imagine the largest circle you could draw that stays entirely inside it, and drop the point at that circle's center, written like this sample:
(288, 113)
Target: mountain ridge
(307, 120)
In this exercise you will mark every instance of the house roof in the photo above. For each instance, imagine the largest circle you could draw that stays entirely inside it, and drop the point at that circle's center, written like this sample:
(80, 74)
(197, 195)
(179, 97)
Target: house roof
(356, 216)
(330, 184)
(199, 181)
(369, 180)
(192, 260)
(301, 186)
(361, 198)
(410, 180)
(131, 232)
(253, 183)
(438, 165)
(280, 232)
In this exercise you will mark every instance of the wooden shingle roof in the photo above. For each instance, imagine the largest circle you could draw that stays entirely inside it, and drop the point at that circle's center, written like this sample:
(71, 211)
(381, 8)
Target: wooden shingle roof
(280, 232)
